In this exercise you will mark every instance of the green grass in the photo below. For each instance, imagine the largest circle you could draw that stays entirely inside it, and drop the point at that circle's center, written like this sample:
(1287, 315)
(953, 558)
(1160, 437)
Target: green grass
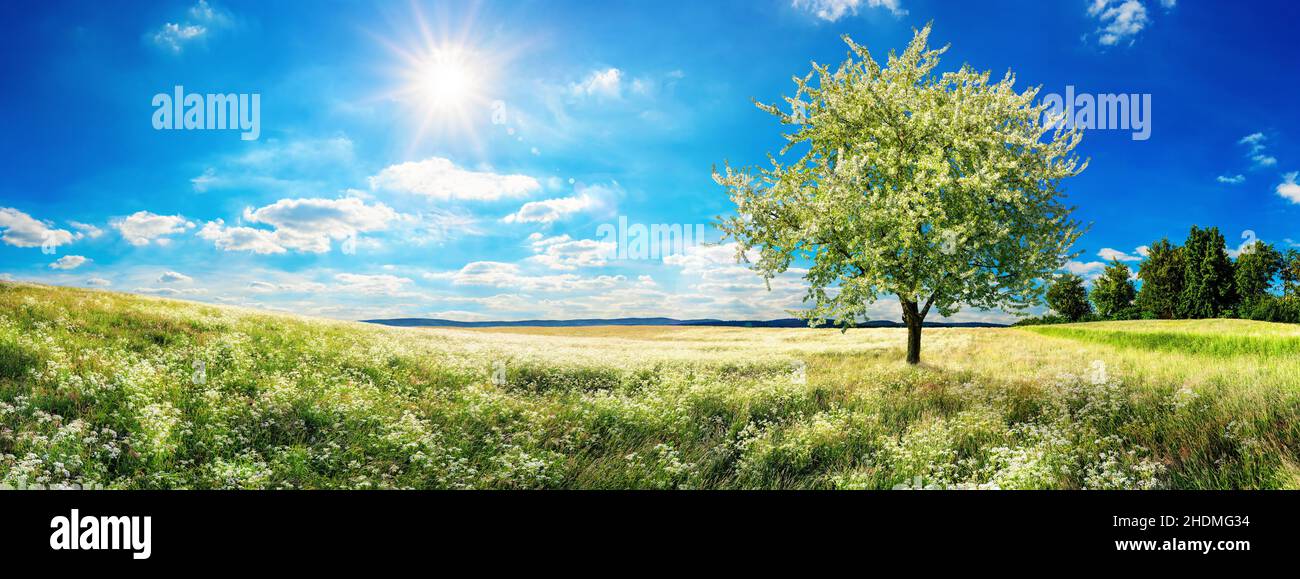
(103, 389)
(1216, 345)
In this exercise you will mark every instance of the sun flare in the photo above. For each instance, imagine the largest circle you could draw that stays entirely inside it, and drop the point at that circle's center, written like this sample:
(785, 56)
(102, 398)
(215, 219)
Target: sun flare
(445, 78)
(445, 81)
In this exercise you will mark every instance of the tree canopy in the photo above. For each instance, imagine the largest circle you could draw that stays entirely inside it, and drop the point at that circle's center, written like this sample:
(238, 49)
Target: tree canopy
(943, 189)
(1113, 292)
(1207, 275)
(1162, 280)
(1068, 298)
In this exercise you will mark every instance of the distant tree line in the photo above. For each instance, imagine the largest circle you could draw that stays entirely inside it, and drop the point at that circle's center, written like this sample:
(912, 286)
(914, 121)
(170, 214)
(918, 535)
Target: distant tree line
(1195, 280)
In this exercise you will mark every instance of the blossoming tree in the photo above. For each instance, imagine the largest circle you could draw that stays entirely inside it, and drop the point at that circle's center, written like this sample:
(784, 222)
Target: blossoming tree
(941, 189)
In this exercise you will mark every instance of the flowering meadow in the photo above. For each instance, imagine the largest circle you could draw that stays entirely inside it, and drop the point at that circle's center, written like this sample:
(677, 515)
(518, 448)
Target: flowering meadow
(107, 390)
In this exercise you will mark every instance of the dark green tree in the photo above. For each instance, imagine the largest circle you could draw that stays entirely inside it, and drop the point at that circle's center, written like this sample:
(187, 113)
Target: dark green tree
(1162, 280)
(1255, 270)
(1113, 292)
(1068, 298)
(1207, 275)
(1290, 273)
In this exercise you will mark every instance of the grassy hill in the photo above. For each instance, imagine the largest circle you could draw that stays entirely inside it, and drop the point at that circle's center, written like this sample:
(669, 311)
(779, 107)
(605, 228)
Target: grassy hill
(105, 389)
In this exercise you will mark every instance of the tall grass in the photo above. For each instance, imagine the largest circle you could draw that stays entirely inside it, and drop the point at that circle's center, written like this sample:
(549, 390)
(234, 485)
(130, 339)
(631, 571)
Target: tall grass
(121, 391)
(1219, 345)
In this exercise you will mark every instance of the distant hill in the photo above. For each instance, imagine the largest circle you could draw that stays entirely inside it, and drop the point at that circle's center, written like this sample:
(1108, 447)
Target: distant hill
(781, 323)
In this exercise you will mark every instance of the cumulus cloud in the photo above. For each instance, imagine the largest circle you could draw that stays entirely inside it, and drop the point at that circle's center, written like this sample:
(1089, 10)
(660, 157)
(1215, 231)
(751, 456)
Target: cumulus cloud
(604, 83)
(21, 230)
(173, 36)
(69, 262)
(170, 291)
(382, 284)
(440, 179)
(1089, 270)
(309, 224)
(1288, 188)
(565, 253)
(293, 287)
(241, 238)
(142, 227)
(551, 210)
(832, 10)
(1231, 180)
(98, 282)
(306, 225)
(1118, 20)
(174, 277)
(1109, 254)
(201, 19)
(85, 230)
(509, 275)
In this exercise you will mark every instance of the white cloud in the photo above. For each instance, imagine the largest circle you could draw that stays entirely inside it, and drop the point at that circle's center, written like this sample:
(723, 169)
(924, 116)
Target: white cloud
(383, 284)
(1288, 188)
(202, 19)
(564, 253)
(509, 275)
(606, 83)
(21, 230)
(143, 227)
(551, 210)
(174, 277)
(306, 225)
(832, 10)
(1257, 150)
(257, 241)
(295, 287)
(588, 198)
(1232, 180)
(98, 282)
(86, 230)
(439, 178)
(206, 13)
(170, 291)
(309, 224)
(1119, 20)
(1144, 250)
(69, 262)
(1108, 254)
(173, 36)
(1089, 270)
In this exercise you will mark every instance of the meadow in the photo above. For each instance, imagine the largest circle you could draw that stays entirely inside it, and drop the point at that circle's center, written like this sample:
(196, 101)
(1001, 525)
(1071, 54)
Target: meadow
(101, 389)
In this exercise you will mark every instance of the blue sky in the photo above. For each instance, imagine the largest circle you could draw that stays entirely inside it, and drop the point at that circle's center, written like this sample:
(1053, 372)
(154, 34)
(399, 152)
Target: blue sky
(456, 159)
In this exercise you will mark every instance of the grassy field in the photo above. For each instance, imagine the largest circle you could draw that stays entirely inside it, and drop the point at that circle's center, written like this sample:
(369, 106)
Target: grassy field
(105, 389)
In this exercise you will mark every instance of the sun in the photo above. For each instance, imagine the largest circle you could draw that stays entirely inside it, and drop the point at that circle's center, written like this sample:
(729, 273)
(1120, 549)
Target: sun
(444, 81)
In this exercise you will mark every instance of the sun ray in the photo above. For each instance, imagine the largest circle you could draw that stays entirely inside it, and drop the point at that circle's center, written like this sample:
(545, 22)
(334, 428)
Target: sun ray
(444, 77)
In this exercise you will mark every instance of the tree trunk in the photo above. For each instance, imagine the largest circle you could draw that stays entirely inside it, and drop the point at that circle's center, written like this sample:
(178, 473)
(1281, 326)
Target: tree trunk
(912, 318)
